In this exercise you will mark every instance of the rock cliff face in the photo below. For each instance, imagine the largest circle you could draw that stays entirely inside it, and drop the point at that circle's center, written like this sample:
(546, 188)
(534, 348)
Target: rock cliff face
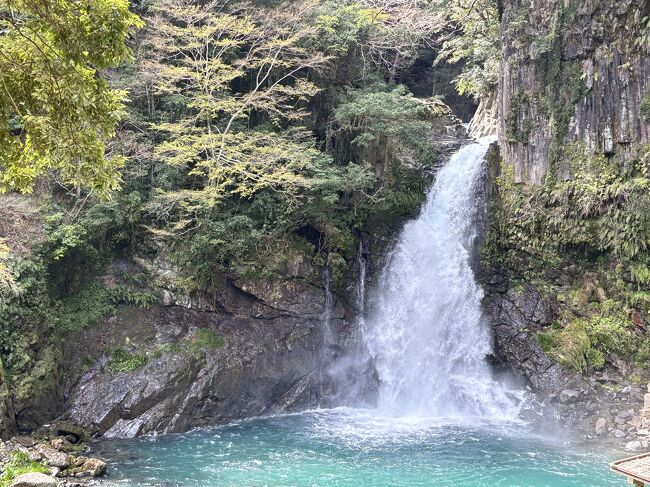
(245, 349)
(572, 72)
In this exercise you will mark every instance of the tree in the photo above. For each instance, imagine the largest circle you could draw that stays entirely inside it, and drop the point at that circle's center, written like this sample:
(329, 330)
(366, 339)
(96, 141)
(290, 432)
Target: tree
(241, 81)
(7, 281)
(390, 122)
(470, 33)
(389, 33)
(56, 110)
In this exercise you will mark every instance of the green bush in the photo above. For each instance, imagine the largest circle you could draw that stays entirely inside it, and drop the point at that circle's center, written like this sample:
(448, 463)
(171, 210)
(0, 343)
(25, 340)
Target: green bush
(93, 301)
(546, 340)
(611, 334)
(574, 346)
(595, 359)
(645, 107)
(124, 361)
(586, 343)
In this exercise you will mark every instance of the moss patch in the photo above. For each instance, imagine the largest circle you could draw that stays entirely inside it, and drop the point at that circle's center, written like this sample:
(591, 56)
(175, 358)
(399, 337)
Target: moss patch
(124, 361)
(206, 340)
(19, 465)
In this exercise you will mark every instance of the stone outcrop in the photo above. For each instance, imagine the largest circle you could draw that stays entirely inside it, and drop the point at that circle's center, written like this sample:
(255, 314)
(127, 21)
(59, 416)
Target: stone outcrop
(37, 393)
(64, 457)
(34, 479)
(572, 72)
(605, 404)
(266, 354)
(516, 314)
(484, 122)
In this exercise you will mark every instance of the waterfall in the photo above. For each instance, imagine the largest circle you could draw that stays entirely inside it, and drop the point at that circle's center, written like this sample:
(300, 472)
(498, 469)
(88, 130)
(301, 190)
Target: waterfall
(427, 334)
(361, 288)
(328, 335)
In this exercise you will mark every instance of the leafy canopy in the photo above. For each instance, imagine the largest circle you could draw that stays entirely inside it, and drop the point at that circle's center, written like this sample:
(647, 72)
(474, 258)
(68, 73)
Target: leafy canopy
(56, 110)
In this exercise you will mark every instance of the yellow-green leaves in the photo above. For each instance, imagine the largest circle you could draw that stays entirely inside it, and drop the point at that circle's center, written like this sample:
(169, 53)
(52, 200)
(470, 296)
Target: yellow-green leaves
(232, 72)
(56, 111)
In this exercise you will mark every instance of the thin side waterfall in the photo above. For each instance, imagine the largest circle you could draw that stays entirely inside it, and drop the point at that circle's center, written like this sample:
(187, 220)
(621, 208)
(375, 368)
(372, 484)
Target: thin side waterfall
(427, 335)
(361, 288)
(328, 336)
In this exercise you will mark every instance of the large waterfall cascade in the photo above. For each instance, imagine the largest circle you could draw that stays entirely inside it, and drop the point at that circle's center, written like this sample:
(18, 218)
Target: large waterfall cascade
(426, 333)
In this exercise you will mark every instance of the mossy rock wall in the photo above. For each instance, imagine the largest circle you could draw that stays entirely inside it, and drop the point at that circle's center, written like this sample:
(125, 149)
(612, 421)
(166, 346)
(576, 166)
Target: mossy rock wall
(572, 72)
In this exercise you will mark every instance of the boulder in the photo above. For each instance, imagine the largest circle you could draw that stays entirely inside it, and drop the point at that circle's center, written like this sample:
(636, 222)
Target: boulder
(70, 430)
(635, 422)
(94, 467)
(34, 480)
(601, 426)
(58, 443)
(625, 415)
(620, 434)
(646, 404)
(634, 446)
(569, 396)
(25, 441)
(54, 458)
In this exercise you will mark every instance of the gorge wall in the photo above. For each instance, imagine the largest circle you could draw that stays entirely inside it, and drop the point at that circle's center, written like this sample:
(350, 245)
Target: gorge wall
(572, 72)
(568, 189)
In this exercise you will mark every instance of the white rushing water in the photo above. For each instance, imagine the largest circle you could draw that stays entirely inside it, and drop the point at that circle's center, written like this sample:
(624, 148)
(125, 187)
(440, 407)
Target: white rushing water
(427, 334)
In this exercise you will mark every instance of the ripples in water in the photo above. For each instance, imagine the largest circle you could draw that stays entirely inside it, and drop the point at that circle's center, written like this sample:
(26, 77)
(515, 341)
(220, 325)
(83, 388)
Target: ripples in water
(345, 447)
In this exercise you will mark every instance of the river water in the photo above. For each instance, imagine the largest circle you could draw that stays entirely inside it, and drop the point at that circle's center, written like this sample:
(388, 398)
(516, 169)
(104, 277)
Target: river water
(354, 448)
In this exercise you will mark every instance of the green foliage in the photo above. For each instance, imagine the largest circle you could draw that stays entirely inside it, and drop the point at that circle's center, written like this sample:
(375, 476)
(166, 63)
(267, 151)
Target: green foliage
(474, 41)
(56, 110)
(596, 226)
(62, 236)
(379, 115)
(586, 343)
(93, 301)
(643, 352)
(18, 465)
(206, 340)
(7, 280)
(595, 358)
(516, 129)
(343, 27)
(547, 341)
(121, 360)
(22, 313)
(571, 345)
(216, 139)
(601, 209)
(612, 335)
(82, 308)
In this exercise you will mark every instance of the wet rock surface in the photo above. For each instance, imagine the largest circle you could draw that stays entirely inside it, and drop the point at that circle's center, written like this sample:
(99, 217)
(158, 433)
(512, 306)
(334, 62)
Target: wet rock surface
(34, 480)
(245, 349)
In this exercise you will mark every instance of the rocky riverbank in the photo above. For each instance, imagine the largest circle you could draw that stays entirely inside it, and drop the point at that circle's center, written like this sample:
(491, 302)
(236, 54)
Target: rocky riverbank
(54, 455)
